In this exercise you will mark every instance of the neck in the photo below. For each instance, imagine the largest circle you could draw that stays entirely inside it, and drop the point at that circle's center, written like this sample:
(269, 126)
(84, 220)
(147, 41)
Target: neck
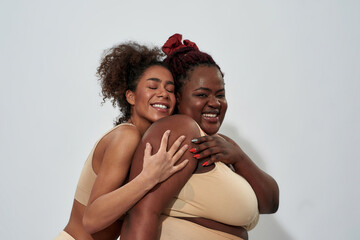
(141, 124)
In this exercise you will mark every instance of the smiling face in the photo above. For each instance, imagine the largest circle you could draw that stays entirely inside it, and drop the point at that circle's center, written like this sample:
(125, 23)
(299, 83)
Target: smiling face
(203, 98)
(154, 96)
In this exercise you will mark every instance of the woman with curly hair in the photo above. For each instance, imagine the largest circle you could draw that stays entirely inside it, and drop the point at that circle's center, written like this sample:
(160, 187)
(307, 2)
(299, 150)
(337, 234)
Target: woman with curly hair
(220, 192)
(133, 78)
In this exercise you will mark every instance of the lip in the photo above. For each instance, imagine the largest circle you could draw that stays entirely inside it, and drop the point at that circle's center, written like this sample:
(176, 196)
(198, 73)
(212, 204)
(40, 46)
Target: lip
(212, 117)
(160, 106)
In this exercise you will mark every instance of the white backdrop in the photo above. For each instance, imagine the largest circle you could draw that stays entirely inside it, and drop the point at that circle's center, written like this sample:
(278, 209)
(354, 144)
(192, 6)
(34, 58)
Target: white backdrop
(292, 72)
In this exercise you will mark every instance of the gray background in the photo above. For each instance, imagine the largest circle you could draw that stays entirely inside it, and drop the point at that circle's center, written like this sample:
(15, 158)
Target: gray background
(292, 80)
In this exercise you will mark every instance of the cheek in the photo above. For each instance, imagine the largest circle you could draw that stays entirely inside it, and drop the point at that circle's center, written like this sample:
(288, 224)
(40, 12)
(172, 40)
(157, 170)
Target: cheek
(225, 105)
(186, 106)
(143, 94)
(224, 108)
(173, 100)
(195, 109)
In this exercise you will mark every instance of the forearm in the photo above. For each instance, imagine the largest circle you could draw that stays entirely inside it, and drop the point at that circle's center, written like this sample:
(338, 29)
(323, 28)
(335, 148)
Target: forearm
(143, 219)
(140, 225)
(264, 186)
(111, 206)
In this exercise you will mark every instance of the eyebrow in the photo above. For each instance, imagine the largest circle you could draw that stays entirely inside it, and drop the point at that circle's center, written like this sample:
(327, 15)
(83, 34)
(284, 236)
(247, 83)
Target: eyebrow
(153, 79)
(158, 80)
(209, 90)
(202, 88)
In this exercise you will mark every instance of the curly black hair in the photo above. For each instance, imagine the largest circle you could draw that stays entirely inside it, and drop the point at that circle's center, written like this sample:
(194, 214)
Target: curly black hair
(121, 68)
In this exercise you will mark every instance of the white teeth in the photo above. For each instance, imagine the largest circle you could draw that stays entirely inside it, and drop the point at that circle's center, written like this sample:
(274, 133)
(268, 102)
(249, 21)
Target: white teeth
(160, 106)
(211, 115)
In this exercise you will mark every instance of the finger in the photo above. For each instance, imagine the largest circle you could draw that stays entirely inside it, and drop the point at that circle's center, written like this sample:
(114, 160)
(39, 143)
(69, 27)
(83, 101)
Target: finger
(206, 162)
(164, 141)
(176, 145)
(205, 145)
(201, 139)
(179, 153)
(180, 166)
(214, 158)
(208, 152)
(147, 151)
(211, 160)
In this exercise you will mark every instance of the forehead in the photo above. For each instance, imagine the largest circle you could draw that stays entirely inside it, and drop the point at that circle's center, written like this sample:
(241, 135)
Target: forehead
(205, 76)
(157, 71)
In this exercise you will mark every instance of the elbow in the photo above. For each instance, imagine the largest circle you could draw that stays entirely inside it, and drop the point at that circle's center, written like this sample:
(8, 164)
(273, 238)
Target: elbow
(274, 206)
(270, 204)
(269, 207)
(275, 199)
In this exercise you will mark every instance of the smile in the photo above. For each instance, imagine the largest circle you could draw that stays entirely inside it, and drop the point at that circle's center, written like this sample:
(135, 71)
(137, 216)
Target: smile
(162, 106)
(210, 115)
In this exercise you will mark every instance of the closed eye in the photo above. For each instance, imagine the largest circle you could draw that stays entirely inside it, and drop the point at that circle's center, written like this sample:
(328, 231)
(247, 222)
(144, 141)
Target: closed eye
(202, 95)
(170, 88)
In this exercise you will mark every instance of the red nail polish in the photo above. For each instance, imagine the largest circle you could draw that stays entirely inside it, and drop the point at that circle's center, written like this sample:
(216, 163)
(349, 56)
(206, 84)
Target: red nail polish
(196, 155)
(193, 150)
(205, 164)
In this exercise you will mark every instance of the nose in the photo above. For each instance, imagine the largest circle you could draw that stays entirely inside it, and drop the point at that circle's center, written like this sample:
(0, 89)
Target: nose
(214, 102)
(163, 92)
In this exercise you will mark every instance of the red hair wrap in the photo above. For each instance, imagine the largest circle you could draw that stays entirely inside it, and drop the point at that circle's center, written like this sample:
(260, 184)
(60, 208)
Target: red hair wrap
(174, 43)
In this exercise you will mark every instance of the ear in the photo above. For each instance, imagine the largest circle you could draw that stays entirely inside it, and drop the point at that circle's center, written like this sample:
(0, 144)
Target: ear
(130, 97)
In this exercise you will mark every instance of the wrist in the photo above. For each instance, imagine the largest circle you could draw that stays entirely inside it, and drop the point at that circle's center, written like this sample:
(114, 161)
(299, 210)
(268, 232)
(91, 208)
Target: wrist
(147, 180)
(238, 158)
(238, 164)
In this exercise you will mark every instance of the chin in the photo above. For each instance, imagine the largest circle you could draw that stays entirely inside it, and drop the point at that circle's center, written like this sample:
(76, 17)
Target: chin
(160, 117)
(210, 130)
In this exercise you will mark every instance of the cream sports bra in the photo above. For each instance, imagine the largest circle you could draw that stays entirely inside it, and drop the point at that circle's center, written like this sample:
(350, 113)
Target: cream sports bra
(220, 195)
(88, 176)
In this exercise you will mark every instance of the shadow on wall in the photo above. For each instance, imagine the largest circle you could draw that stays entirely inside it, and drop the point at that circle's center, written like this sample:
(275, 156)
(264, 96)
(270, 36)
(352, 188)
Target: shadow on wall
(268, 227)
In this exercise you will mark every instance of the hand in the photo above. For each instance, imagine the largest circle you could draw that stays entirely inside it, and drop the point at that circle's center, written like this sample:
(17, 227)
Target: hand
(161, 165)
(215, 148)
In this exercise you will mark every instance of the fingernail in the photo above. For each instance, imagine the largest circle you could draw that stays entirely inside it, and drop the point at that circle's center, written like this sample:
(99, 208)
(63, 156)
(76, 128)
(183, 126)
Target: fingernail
(193, 150)
(194, 140)
(205, 164)
(196, 155)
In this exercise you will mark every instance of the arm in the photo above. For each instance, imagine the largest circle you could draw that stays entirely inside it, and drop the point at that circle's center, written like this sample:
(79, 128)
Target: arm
(222, 148)
(143, 220)
(109, 200)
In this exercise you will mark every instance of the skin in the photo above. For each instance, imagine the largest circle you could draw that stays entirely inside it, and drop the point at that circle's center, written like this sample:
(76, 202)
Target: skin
(203, 99)
(111, 197)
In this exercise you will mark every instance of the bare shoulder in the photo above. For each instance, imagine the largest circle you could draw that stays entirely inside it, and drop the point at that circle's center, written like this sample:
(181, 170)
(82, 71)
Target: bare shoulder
(176, 120)
(225, 137)
(228, 139)
(180, 124)
(124, 134)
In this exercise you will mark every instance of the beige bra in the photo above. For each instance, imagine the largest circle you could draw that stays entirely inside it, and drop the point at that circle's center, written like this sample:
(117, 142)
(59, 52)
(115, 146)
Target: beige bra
(220, 195)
